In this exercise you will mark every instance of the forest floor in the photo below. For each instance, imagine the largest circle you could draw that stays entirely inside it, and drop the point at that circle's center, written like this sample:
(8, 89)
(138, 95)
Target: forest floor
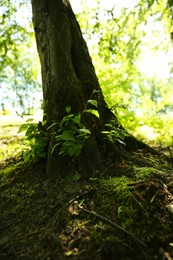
(125, 212)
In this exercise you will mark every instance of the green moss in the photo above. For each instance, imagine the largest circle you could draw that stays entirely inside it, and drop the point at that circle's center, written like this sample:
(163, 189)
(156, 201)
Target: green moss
(145, 172)
(31, 196)
(120, 186)
(11, 169)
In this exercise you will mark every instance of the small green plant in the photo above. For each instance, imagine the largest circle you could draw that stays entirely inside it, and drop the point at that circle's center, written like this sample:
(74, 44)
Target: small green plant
(37, 140)
(114, 134)
(94, 111)
(71, 134)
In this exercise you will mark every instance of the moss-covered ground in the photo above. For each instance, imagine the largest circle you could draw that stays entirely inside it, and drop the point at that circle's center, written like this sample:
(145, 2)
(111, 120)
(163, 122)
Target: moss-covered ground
(125, 212)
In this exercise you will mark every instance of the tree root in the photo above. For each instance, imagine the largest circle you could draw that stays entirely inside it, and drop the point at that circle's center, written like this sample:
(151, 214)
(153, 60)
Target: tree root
(134, 159)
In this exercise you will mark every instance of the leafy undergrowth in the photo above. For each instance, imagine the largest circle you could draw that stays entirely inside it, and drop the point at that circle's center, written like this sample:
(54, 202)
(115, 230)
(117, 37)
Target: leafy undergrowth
(123, 213)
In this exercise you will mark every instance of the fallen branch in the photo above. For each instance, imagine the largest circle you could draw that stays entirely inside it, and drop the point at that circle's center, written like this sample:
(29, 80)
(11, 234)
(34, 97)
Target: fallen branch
(114, 225)
(141, 206)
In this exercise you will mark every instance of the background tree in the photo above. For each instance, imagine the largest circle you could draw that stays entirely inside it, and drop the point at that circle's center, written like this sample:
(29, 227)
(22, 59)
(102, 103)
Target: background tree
(133, 44)
(19, 81)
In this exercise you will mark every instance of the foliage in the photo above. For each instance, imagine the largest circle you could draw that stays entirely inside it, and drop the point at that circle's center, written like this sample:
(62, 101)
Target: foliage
(71, 134)
(137, 61)
(19, 80)
(115, 133)
(37, 141)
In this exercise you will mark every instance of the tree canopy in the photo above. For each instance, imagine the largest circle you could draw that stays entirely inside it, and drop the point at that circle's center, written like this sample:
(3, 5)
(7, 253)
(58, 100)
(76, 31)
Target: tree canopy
(130, 56)
(137, 63)
(19, 81)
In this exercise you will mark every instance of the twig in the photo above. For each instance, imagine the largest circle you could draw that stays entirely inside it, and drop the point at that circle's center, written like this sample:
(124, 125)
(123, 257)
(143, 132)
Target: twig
(136, 183)
(115, 225)
(153, 198)
(20, 115)
(140, 205)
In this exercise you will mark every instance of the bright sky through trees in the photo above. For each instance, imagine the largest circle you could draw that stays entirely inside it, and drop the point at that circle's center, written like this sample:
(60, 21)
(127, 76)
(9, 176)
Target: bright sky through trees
(76, 4)
(151, 63)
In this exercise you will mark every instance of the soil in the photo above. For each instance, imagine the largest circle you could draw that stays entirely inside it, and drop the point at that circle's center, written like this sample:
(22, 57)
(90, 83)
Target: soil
(125, 212)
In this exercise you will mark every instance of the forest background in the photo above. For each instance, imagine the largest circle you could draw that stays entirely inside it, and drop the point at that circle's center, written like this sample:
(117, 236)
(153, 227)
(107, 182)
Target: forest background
(131, 47)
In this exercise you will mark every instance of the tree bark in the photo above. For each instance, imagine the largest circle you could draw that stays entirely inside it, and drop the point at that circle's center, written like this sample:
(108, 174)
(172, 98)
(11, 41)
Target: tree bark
(69, 79)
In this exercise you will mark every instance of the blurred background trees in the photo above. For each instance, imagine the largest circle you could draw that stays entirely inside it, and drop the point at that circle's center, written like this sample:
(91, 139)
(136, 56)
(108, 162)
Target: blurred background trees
(20, 88)
(131, 46)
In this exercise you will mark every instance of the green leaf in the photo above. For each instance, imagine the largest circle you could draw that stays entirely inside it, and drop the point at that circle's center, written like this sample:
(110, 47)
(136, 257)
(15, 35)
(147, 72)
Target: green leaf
(85, 131)
(74, 149)
(30, 131)
(29, 120)
(96, 91)
(93, 102)
(105, 132)
(68, 109)
(93, 112)
(71, 150)
(27, 156)
(52, 125)
(114, 132)
(77, 119)
(67, 118)
(58, 138)
(54, 148)
(23, 128)
(62, 152)
(109, 125)
(68, 135)
(44, 122)
(93, 179)
(120, 141)
(69, 253)
(78, 149)
(76, 177)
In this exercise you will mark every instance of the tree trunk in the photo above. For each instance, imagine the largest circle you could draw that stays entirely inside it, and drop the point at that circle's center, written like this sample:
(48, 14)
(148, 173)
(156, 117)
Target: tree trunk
(69, 79)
